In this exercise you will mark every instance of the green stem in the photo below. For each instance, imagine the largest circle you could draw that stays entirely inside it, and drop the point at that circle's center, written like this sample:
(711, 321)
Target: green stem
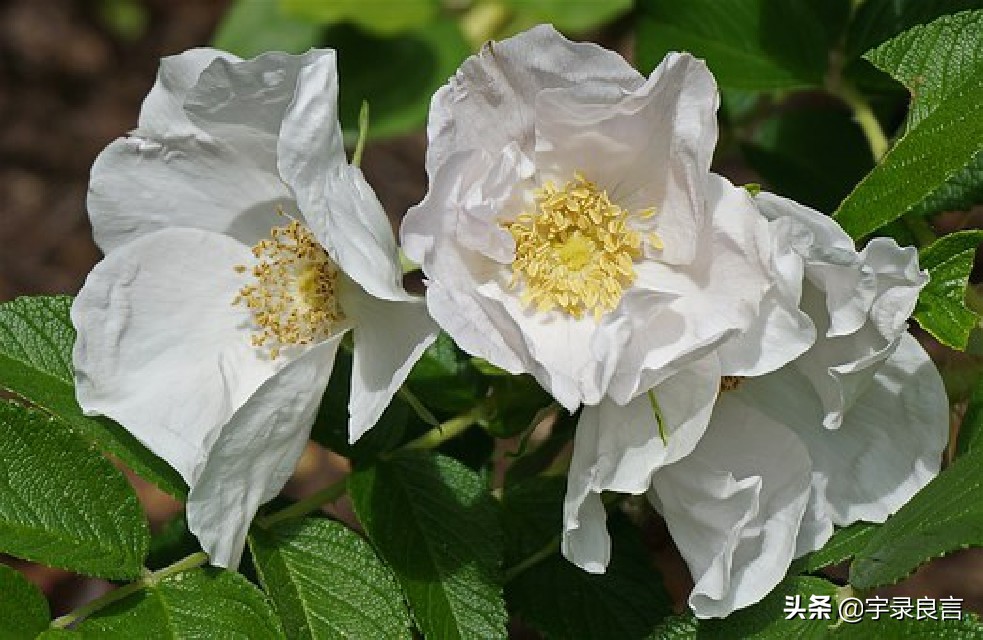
(363, 132)
(306, 505)
(447, 430)
(421, 411)
(150, 579)
(920, 228)
(512, 572)
(865, 117)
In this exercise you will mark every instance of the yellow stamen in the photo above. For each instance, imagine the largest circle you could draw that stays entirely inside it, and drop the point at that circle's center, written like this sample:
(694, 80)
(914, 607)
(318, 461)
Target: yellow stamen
(577, 253)
(293, 298)
(730, 383)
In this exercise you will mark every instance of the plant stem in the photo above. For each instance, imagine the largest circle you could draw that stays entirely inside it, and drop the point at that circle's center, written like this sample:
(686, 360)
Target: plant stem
(446, 430)
(512, 572)
(306, 505)
(148, 580)
(421, 411)
(363, 132)
(865, 117)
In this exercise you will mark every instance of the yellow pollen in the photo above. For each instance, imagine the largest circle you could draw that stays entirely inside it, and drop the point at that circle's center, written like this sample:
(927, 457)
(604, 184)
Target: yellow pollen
(577, 253)
(293, 298)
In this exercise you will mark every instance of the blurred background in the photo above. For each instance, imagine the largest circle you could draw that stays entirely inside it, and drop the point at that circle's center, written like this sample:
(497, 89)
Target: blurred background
(73, 74)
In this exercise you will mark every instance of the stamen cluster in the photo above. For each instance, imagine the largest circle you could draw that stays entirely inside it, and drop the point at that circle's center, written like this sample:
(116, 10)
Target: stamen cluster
(577, 253)
(294, 298)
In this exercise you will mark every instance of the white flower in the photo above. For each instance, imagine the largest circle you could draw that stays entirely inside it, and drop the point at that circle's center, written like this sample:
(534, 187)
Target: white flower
(240, 248)
(848, 431)
(572, 229)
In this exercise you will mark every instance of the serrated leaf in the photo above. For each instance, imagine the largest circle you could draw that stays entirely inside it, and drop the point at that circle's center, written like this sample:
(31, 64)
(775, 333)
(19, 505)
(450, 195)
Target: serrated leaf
(327, 582)
(941, 308)
(23, 610)
(567, 16)
(887, 628)
(36, 339)
(382, 17)
(252, 27)
(748, 44)
(62, 503)
(942, 144)
(814, 156)
(876, 21)
(434, 522)
(944, 516)
(936, 163)
(446, 377)
(201, 603)
(763, 621)
(933, 62)
(844, 544)
(532, 515)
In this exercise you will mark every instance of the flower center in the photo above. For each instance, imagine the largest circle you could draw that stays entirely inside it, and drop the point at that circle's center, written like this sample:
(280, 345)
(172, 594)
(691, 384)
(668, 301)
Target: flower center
(577, 252)
(293, 299)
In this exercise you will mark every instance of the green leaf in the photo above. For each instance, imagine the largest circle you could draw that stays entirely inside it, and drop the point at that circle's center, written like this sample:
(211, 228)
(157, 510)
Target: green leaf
(517, 403)
(327, 582)
(36, 339)
(934, 62)
(572, 16)
(384, 17)
(844, 544)
(748, 44)
(396, 74)
(23, 610)
(887, 628)
(935, 164)
(944, 516)
(446, 377)
(252, 27)
(876, 21)
(434, 522)
(62, 503)
(202, 603)
(941, 308)
(560, 599)
(814, 156)
(971, 427)
(763, 621)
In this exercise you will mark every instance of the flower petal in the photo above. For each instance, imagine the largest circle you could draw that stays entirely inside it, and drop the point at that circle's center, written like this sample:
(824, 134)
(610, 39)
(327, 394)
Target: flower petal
(648, 148)
(160, 348)
(490, 101)
(389, 338)
(618, 448)
(162, 113)
(734, 505)
(890, 442)
(714, 298)
(255, 453)
(346, 217)
(222, 175)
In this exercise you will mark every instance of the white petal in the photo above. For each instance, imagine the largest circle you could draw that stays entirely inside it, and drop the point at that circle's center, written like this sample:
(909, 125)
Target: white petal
(489, 102)
(734, 506)
(310, 144)
(891, 441)
(162, 114)
(648, 148)
(389, 338)
(714, 298)
(346, 217)
(780, 332)
(161, 349)
(255, 454)
(618, 448)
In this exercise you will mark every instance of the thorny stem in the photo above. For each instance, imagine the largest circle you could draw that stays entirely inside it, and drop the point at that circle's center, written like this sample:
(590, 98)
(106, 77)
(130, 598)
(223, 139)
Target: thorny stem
(150, 579)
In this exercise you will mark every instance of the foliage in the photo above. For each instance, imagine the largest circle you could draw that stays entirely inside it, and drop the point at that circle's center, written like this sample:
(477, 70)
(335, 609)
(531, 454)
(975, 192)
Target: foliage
(463, 542)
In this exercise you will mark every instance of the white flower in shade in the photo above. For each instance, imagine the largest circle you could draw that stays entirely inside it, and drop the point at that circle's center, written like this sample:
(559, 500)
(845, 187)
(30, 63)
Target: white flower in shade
(240, 248)
(848, 431)
(572, 229)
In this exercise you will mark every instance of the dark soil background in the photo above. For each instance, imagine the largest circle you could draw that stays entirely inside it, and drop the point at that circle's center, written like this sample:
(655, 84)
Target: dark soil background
(70, 82)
